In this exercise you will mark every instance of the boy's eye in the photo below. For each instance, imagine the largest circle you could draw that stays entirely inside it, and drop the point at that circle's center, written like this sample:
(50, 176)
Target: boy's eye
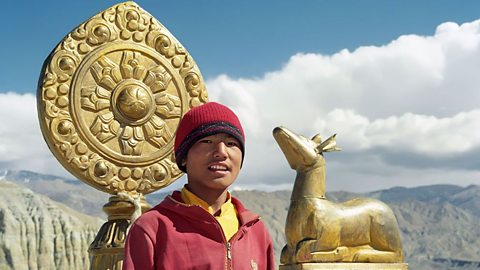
(206, 141)
(232, 143)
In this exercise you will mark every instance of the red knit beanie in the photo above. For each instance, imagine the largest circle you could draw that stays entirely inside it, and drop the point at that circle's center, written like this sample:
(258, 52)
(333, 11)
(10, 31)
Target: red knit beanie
(202, 121)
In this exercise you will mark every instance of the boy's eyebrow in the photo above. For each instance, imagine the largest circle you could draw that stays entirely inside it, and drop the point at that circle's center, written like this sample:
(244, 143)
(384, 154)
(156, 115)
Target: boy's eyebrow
(231, 137)
(225, 136)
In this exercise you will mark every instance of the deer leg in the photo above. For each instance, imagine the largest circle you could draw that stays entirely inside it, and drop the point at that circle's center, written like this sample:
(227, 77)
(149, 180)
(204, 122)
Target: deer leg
(309, 251)
(385, 236)
(375, 256)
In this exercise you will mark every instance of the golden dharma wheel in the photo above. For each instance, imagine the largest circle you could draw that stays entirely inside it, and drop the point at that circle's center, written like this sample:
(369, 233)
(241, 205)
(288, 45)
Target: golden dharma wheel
(110, 97)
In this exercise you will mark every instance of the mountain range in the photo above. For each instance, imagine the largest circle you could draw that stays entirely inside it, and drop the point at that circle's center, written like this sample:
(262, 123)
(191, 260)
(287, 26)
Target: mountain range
(438, 224)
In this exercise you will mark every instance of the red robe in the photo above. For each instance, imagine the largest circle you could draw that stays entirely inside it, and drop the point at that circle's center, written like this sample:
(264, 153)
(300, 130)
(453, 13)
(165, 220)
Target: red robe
(176, 236)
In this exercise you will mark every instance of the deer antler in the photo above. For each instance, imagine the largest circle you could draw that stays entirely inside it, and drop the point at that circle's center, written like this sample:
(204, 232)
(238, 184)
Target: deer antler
(329, 145)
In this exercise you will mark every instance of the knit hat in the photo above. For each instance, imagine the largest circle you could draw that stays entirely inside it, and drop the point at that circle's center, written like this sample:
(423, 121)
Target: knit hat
(205, 120)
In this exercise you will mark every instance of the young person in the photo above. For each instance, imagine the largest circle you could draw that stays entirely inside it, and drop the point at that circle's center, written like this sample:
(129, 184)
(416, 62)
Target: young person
(202, 226)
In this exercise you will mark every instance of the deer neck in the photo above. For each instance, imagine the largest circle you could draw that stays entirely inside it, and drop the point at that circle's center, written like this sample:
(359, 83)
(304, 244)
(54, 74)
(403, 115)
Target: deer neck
(310, 182)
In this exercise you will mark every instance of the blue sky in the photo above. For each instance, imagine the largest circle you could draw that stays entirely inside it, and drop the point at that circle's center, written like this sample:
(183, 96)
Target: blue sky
(397, 80)
(238, 38)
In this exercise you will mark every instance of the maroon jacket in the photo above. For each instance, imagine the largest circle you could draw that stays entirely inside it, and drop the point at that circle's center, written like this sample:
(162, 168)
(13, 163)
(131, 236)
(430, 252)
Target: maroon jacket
(173, 235)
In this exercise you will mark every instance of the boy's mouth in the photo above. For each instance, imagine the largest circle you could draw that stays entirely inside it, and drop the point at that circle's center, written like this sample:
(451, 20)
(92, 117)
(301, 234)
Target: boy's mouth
(218, 168)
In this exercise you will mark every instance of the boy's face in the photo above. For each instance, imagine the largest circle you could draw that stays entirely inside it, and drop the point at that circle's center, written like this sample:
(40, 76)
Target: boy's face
(213, 162)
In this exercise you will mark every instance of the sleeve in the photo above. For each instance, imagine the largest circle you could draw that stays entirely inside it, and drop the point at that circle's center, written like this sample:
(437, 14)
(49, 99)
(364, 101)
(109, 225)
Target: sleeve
(139, 250)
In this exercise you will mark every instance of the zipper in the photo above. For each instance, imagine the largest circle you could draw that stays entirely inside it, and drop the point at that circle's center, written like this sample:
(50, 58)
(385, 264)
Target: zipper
(229, 251)
(229, 256)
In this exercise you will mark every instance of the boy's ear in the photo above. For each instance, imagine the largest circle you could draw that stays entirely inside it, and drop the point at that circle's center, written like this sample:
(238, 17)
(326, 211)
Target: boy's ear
(184, 162)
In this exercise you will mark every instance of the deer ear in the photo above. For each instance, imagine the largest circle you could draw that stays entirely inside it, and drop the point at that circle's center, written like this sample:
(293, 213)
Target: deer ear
(317, 138)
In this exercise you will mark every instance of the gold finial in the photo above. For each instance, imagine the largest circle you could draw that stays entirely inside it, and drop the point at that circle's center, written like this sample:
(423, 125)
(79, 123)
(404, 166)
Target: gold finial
(110, 97)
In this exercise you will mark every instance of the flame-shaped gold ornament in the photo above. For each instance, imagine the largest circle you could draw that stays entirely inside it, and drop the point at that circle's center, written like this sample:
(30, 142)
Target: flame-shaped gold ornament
(110, 97)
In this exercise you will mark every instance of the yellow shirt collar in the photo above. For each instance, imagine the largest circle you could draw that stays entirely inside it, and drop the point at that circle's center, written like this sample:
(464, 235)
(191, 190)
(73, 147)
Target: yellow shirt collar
(228, 214)
(191, 199)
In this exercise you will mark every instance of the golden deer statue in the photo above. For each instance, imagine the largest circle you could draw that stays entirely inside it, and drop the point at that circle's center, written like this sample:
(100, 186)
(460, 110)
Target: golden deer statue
(318, 230)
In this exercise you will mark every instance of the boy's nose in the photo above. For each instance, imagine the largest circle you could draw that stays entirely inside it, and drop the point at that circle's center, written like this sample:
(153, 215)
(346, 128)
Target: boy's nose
(220, 150)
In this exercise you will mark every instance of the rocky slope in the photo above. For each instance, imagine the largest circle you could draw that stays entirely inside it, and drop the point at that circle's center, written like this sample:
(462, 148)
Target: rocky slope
(67, 191)
(38, 233)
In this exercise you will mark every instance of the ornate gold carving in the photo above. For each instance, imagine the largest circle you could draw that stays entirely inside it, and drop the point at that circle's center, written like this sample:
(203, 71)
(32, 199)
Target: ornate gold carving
(110, 97)
(320, 231)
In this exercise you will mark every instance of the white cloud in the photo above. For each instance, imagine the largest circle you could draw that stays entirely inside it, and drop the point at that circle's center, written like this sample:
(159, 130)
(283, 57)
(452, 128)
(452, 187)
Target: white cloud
(416, 98)
(421, 134)
(18, 131)
(21, 144)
